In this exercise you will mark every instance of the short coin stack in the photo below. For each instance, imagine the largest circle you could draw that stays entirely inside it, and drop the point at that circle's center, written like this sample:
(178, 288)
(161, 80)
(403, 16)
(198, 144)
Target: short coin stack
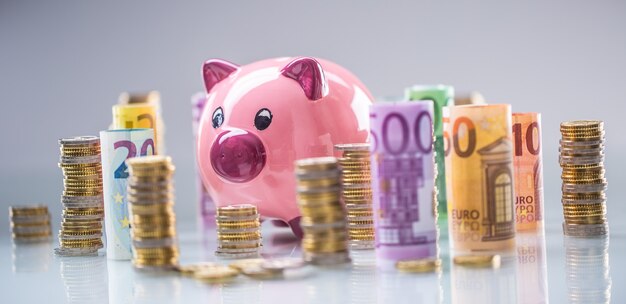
(323, 219)
(153, 222)
(357, 193)
(30, 223)
(238, 231)
(81, 228)
(581, 158)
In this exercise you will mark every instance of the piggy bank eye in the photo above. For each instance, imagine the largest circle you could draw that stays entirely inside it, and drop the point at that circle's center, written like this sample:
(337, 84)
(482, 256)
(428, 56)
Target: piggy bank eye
(218, 117)
(263, 119)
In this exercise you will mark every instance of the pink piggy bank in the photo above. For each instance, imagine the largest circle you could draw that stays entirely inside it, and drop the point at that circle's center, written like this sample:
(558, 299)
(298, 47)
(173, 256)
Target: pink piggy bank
(262, 117)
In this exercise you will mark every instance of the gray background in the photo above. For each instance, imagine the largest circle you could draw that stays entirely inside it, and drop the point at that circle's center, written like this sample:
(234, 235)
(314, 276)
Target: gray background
(64, 63)
(62, 66)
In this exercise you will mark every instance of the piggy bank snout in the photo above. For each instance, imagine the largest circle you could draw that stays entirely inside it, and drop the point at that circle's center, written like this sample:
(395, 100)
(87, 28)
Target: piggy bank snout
(238, 156)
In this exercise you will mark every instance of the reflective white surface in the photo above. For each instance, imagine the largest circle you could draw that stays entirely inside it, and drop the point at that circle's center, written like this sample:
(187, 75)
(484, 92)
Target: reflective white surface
(548, 268)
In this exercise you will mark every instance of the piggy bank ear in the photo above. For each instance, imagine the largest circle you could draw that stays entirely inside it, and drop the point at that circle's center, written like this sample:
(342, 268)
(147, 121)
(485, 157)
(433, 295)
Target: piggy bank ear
(309, 74)
(215, 70)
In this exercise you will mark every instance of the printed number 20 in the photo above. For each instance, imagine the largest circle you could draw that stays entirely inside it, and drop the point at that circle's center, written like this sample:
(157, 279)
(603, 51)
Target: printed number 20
(122, 170)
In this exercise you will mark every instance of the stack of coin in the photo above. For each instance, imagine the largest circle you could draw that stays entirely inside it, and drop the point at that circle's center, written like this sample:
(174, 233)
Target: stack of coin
(30, 223)
(323, 219)
(581, 158)
(356, 193)
(151, 208)
(238, 231)
(81, 228)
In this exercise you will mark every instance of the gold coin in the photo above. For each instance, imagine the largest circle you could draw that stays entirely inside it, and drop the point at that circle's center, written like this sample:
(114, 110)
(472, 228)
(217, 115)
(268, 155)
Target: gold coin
(83, 211)
(217, 274)
(358, 223)
(327, 247)
(238, 224)
(156, 252)
(132, 180)
(478, 260)
(318, 198)
(330, 233)
(595, 166)
(240, 245)
(305, 184)
(77, 232)
(152, 234)
(419, 266)
(238, 235)
(237, 210)
(81, 243)
(358, 213)
(322, 209)
(31, 224)
(28, 210)
(149, 161)
(362, 238)
(584, 196)
(316, 164)
(591, 220)
(240, 264)
(192, 268)
(168, 261)
(582, 124)
(77, 167)
(32, 234)
(150, 209)
(82, 193)
(308, 220)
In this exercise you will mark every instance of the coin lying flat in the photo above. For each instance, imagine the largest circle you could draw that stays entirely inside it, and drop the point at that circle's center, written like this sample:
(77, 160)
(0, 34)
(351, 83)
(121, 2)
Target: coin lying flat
(419, 266)
(478, 261)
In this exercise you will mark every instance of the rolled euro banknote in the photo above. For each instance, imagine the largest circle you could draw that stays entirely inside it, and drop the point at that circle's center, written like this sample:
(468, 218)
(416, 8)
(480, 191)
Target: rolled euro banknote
(440, 96)
(205, 203)
(528, 171)
(136, 116)
(117, 146)
(403, 177)
(481, 214)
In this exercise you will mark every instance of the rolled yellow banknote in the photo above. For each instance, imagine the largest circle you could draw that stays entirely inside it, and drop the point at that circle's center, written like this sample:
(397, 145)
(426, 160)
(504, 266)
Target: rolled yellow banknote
(528, 171)
(481, 206)
(150, 98)
(135, 116)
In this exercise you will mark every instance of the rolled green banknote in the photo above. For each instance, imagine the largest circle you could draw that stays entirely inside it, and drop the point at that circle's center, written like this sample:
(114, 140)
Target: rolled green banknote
(117, 146)
(441, 95)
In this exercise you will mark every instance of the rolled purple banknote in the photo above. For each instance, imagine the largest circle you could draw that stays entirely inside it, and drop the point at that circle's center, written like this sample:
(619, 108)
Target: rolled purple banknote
(403, 181)
(205, 203)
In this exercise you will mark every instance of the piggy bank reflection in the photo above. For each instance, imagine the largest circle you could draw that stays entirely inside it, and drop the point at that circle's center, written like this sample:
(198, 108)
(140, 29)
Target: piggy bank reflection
(262, 117)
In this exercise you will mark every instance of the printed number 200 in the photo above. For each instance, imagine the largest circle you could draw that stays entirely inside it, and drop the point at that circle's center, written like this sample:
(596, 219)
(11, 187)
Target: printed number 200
(122, 170)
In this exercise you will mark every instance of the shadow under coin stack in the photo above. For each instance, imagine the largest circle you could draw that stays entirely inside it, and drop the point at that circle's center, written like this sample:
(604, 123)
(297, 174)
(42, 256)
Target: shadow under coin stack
(238, 231)
(356, 190)
(151, 208)
(30, 223)
(323, 219)
(581, 158)
(81, 228)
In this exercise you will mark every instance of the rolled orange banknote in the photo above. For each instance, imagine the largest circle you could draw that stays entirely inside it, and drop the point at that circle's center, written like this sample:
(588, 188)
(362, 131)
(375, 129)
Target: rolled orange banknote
(481, 207)
(528, 171)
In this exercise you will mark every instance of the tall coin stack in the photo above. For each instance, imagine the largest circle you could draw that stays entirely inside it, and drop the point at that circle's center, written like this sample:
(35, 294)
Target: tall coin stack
(356, 192)
(81, 228)
(30, 223)
(238, 231)
(581, 158)
(151, 208)
(323, 219)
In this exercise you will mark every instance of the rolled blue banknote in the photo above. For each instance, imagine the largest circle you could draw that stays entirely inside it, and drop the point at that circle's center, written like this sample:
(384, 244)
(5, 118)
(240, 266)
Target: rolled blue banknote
(117, 146)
